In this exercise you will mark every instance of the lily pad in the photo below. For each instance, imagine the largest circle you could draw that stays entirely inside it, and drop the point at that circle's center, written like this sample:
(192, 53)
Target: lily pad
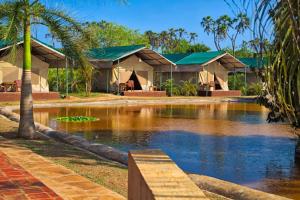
(77, 119)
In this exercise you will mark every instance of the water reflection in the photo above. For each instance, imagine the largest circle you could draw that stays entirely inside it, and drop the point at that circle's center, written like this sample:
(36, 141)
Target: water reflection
(228, 141)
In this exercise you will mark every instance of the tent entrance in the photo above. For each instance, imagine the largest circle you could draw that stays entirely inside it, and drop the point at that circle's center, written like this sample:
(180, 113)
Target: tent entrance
(137, 84)
(217, 83)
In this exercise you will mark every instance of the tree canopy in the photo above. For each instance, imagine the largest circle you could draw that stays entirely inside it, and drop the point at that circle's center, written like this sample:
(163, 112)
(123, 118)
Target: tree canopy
(175, 41)
(107, 34)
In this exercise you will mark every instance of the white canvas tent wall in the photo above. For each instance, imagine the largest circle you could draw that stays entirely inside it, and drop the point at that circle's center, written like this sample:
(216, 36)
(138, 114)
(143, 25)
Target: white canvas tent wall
(43, 57)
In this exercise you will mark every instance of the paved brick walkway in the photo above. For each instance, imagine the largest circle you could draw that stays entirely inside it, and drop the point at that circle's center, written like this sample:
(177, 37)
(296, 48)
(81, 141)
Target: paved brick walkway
(16, 183)
(22, 170)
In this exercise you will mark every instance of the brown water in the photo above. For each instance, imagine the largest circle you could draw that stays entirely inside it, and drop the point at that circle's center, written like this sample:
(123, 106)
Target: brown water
(230, 141)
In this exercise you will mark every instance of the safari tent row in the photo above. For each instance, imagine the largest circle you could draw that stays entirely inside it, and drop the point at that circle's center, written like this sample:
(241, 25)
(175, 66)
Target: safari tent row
(116, 67)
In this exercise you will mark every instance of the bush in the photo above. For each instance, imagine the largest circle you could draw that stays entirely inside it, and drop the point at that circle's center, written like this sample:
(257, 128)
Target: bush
(76, 82)
(170, 84)
(239, 81)
(254, 89)
(188, 89)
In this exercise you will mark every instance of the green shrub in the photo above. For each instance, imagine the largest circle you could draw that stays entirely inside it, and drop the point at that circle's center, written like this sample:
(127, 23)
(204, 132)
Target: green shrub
(255, 89)
(168, 84)
(76, 82)
(187, 88)
(239, 82)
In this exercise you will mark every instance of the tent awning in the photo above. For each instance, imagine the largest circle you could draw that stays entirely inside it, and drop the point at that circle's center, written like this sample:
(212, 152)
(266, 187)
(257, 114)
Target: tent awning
(106, 57)
(44, 52)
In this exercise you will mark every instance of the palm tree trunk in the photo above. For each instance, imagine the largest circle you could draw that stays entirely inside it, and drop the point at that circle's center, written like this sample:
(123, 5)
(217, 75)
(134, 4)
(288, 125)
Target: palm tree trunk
(26, 125)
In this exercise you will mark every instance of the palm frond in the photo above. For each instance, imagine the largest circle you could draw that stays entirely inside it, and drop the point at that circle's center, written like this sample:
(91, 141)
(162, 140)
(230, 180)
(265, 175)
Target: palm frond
(11, 19)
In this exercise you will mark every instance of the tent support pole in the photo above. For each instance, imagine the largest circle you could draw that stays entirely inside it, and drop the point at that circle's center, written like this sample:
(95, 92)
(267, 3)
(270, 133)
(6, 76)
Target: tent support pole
(245, 80)
(107, 80)
(118, 77)
(67, 81)
(207, 84)
(171, 92)
(57, 80)
(160, 79)
(234, 78)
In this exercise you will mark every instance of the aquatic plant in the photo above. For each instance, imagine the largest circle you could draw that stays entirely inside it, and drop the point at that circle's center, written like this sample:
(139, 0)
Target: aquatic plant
(77, 119)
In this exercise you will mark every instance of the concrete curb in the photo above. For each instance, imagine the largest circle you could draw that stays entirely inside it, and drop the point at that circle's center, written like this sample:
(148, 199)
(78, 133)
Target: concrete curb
(99, 149)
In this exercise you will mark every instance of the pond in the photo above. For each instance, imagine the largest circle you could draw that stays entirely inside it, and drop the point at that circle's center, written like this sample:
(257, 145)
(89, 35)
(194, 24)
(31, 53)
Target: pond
(229, 141)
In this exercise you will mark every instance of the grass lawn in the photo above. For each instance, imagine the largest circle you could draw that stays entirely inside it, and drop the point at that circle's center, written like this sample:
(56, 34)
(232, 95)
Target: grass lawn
(93, 94)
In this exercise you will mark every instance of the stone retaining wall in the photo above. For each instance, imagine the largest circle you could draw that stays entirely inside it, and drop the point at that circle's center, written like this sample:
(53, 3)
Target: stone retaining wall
(231, 190)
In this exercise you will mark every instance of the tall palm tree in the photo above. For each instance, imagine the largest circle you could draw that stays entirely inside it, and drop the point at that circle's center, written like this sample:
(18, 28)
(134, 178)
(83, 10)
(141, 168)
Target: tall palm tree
(18, 16)
(164, 39)
(181, 32)
(193, 37)
(210, 27)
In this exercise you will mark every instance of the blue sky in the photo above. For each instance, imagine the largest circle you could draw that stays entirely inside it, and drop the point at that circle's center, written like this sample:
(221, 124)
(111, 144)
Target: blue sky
(143, 15)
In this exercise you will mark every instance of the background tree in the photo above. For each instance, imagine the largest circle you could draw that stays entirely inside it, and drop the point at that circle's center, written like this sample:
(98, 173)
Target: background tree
(108, 34)
(226, 27)
(211, 27)
(18, 17)
(175, 41)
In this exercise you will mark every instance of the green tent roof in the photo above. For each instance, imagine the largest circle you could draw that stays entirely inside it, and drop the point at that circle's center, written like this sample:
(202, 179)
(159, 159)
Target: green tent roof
(5, 43)
(254, 62)
(199, 58)
(176, 57)
(113, 53)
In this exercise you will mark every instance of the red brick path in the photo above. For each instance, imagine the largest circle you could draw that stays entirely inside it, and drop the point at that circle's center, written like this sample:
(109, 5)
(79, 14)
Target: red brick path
(16, 183)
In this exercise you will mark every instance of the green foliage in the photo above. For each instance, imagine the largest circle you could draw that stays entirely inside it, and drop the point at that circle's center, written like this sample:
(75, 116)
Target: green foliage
(237, 81)
(78, 119)
(244, 52)
(252, 89)
(282, 94)
(76, 82)
(175, 41)
(107, 34)
(255, 89)
(187, 88)
(226, 27)
(169, 86)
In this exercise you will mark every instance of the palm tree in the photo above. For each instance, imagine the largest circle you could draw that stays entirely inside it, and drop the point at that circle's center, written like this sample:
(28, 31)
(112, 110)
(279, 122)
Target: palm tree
(18, 16)
(181, 33)
(210, 27)
(164, 40)
(193, 37)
